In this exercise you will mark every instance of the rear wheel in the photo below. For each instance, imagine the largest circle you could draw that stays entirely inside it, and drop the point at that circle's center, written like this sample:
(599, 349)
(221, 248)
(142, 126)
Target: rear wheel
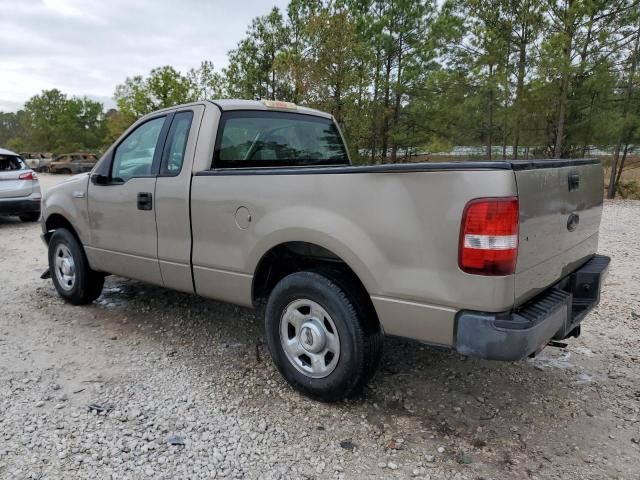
(30, 217)
(320, 335)
(70, 272)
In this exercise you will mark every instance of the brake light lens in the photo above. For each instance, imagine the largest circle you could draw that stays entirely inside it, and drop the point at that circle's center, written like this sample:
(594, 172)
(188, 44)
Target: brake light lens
(279, 104)
(28, 176)
(489, 236)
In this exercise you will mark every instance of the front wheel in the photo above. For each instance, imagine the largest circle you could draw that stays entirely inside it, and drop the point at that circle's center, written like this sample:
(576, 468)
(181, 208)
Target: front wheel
(73, 278)
(320, 335)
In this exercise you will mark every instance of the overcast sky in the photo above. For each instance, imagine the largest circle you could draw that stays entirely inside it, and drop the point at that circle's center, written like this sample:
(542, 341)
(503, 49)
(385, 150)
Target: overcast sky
(87, 47)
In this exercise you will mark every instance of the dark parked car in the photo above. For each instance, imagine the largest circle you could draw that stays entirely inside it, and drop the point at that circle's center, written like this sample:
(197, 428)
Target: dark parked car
(73, 163)
(38, 161)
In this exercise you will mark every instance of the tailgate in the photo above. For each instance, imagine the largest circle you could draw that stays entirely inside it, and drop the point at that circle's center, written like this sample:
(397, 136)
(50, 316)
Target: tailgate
(560, 209)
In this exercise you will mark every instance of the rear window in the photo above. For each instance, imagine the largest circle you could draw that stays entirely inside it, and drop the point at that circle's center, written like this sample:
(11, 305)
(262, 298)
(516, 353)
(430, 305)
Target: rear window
(274, 139)
(10, 162)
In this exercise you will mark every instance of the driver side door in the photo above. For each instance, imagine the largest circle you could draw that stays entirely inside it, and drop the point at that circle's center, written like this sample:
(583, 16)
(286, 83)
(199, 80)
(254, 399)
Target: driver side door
(121, 205)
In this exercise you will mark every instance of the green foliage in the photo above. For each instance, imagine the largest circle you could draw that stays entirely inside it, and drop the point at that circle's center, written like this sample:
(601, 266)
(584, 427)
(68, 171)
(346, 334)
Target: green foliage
(116, 122)
(15, 144)
(11, 127)
(53, 122)
(205, 82)
(253, 70)
(164, 87)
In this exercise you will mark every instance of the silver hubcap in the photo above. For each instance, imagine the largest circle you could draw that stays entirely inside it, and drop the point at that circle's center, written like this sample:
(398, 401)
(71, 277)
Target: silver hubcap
(309, 338)
(65, 269)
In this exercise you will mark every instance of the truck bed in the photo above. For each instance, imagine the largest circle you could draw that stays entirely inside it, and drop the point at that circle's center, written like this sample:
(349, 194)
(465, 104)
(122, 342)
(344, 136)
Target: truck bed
(396, 226)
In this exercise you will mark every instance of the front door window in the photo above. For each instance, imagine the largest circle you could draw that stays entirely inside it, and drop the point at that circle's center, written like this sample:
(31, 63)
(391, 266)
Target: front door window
(134, 156)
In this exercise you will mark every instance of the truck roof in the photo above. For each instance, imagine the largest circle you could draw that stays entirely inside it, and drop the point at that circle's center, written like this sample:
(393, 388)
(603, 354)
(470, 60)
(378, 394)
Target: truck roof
(237, 104)
(227, 104)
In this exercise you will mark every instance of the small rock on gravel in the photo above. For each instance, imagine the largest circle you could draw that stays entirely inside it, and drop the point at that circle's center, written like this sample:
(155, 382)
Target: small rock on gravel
(175, 440)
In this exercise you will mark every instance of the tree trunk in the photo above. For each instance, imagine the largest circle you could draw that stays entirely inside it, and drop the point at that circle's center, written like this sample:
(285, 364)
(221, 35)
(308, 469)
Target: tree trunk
(611, 189)
(373, 140)
(587, 133)
(564, 88)
(626, 132)
(273, 78)
(385, 113)
(507, 94)
(387, 89)
(522, 63)
(337, 102)
(490, 126)
(396, 110)
(624, 157)
(564, 91)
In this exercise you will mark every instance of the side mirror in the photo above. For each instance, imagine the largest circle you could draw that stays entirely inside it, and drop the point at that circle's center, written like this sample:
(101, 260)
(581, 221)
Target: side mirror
(99, 179)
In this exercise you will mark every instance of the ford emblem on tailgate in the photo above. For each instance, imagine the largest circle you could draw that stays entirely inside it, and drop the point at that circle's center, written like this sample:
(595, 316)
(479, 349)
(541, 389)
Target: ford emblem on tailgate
(573, 221)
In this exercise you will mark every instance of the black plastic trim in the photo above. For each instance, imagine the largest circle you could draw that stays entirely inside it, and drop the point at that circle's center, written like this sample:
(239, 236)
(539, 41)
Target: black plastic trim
(169, 138)
(15, 207)
(329, 169)
(216, 104)
(555, 314)
(399, 167)
(551, 163)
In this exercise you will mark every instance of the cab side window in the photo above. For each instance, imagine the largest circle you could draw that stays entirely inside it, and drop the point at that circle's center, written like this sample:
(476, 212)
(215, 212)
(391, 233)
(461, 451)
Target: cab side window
(134, 156)
(176, 144)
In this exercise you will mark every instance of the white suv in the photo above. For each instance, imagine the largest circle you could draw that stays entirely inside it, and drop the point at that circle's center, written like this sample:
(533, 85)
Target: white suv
(19, 188)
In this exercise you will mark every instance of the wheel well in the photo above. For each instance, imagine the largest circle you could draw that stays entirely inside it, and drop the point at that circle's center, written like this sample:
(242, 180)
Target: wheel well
(55, 221)
(291, 257)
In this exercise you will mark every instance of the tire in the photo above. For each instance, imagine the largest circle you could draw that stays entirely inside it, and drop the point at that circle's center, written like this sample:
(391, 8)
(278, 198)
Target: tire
(30, 217)
(299, 308)
(71, 275)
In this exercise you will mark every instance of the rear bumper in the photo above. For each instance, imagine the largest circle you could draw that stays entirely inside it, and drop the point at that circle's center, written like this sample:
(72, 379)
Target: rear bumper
(554, 314)
(19, 206)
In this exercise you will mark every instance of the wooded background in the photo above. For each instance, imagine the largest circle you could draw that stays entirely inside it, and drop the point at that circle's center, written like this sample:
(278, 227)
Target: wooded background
(406, 79)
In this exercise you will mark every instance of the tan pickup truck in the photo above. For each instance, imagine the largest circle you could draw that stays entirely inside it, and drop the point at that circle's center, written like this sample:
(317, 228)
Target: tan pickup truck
(257, 203)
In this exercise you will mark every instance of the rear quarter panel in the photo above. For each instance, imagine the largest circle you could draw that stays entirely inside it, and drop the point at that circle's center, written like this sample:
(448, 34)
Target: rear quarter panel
(398, 232)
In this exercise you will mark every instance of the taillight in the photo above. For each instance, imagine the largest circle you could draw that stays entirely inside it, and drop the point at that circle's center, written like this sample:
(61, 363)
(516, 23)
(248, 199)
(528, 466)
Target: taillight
(489, 236)
(28, 176)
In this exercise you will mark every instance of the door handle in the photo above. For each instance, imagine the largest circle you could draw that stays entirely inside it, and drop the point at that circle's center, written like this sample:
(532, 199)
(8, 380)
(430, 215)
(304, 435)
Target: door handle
(145, 201)
(574, 181)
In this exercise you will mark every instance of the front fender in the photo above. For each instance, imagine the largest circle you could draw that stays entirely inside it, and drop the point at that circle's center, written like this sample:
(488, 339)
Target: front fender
(69, 200)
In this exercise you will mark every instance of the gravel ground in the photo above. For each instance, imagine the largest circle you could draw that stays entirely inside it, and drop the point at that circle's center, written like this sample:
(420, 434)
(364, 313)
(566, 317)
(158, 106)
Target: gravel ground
(151, 383)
